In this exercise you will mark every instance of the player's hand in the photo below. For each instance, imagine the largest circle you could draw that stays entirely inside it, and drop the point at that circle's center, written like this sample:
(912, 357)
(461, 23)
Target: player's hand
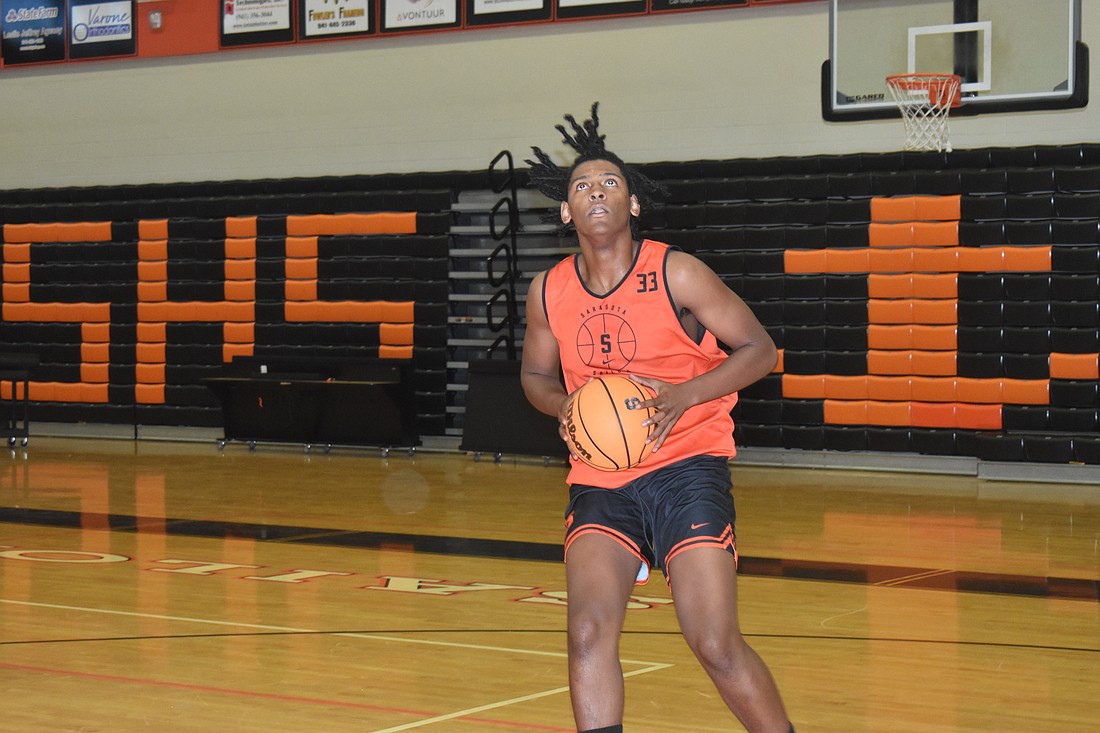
(563, 414)
(669, 404)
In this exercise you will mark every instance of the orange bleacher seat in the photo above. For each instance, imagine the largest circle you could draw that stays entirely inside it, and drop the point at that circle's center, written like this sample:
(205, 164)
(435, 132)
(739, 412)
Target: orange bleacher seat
(16, 253)
(890, 311)
(934, 337)
(938, 285)
(846, 387)
(396, 334)
(240, 226)
(395, 352)
(977, 391)
(937, 208)
(300, 289)
(890, 337)
(893, 209)
(889, 362)
(845, 412)
(1025, 391)
(978, 417)
(149, 394)
(397, 311)
(240, 269)
(150, 352)
(17, 292)
(804, 261)
(151, 331)
(96, 332)
(980, 259)
(153, 229)
(152, 291)
(95, 353)
(889, 388)
(841, 261)
(17, 272)
(301, 268)
(152, 373)
(301, 247)
(239, 333)
(153, 270)
(888, 414)
(933, 363)
(890, 286)
(890, 260)
(934, 311)
(153, 249)
(932, 414)
(95, 373)
(240, 249)
(933, 389)
(1074, 366)
(896, 235)
(804, 386)
(935, 259)
(240, 290)
(936, 233)
(1027, 259)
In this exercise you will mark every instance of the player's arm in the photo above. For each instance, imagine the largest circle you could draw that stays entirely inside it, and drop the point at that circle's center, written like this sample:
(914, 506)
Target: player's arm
(695, 287)
(541, 364)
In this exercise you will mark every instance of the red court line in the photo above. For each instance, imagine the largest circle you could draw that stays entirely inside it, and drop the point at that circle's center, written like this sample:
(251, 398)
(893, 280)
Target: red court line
(269, 696)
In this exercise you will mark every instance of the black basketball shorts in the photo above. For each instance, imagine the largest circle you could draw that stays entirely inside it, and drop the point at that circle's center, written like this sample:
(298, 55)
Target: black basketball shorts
(657, 516)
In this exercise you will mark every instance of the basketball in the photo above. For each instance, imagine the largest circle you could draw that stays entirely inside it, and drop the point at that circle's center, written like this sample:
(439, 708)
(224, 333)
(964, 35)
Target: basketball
(604, 423)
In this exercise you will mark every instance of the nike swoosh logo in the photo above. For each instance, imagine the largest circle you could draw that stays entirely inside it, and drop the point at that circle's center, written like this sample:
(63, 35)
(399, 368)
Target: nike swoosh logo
(697, 526)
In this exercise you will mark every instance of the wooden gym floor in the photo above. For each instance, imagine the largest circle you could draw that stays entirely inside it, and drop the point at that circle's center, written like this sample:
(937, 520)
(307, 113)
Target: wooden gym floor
(171, 586)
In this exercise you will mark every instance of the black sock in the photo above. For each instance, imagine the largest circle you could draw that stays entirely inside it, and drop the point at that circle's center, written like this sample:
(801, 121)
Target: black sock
(609, 729)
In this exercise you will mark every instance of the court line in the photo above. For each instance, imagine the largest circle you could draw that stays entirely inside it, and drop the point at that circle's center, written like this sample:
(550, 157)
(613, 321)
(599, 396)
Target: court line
(291, 629)
(647, 666)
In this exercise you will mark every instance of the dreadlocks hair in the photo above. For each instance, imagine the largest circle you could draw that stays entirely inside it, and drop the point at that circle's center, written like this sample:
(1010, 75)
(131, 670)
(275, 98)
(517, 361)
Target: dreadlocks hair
(553, 181)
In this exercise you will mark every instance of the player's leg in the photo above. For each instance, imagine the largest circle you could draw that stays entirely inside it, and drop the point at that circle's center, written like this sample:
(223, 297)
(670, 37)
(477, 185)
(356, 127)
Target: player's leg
(704, 589)
(600, 575)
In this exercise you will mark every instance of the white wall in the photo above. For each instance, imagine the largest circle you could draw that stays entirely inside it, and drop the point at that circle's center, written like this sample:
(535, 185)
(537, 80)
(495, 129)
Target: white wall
(719, 84)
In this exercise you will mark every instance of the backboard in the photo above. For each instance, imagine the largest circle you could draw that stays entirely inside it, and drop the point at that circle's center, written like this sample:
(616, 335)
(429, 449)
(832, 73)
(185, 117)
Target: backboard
(1012, 55)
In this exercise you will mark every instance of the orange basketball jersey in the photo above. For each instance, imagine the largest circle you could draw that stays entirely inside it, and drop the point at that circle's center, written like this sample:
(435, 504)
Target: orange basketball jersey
(634, 329)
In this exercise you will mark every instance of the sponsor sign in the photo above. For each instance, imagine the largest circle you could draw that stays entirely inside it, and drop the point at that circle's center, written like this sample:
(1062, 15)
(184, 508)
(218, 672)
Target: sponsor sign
(417, 14)
(328, 18)
(99, 28)
(256, 21)
(33, 31)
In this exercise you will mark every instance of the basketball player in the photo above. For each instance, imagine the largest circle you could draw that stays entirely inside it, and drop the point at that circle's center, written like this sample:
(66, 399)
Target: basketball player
(645, 310)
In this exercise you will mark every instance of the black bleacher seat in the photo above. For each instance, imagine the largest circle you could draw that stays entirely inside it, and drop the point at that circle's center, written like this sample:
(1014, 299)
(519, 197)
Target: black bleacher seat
(808, 187)
(805, 338)
(845, 211)
(983, 208)
(845, 438)
(1031, 206)
(1075, 231)
(937, 182)
(1074, 393)
(984, 181)
(1025, 340)
(981, 233)
(1048, 448)
(846, 338)
(1031, 180)
(1026, 285)
(890, 440)
(1086, 449)
(1074, 340)
(1025, 417)
(726, 189)
(805, 237)
(1074, 314)
(1028, 232)
(969, 158)
(850, 185)
(846, 235)
(1026, 366)
(980, 365)
(1084, 258)
(1006, 157)
(893, 183)
(1078, 179)
(916, 160)
(999, 447)
(1059, 155)
(766, 188)
(805, 287)
(1077, 205)
(1074, 419)
(927, 441)
(804, 437)
(1075, 286)
(981, 312)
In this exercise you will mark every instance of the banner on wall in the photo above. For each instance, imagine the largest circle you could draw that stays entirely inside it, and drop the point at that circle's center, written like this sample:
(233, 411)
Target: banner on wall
(332, 18)
(594, 8)
(406, 15)
(33, 31)
(489, 12)
(662, 5)
(256, 21)
(98, 29)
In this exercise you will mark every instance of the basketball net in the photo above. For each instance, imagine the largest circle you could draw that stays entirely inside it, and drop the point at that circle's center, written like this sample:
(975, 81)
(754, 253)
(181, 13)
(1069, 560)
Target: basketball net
(925, 101)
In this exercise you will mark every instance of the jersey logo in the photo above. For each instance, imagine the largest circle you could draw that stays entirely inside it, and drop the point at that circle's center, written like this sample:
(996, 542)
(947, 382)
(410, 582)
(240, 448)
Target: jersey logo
(607, 342)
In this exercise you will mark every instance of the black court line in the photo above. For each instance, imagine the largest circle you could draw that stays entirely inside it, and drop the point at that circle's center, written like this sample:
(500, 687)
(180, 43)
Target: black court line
(959, 581)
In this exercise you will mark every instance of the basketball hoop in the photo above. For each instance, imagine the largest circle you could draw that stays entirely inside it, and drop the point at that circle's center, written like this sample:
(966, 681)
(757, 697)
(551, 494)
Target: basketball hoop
(925, 101)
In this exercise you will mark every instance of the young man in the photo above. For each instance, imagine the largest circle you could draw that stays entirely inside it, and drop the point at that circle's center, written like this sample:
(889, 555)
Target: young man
(657, 315)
